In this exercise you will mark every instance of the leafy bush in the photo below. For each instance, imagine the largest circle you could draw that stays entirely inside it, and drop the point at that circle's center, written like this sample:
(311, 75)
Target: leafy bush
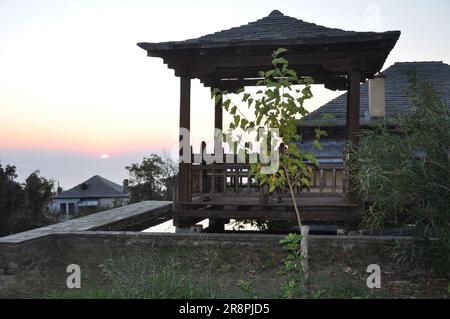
(294, 286)
(401, 169)
(24, 206)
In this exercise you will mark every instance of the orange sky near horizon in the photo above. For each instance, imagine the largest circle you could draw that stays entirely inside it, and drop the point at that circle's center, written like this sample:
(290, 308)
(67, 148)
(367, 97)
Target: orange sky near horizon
(73, 80)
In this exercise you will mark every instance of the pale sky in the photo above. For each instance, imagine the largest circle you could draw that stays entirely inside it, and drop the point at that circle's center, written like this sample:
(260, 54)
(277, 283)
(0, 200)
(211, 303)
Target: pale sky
(74, 86)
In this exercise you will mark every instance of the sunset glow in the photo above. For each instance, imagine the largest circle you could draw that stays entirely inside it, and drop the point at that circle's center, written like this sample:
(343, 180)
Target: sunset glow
(74, 81)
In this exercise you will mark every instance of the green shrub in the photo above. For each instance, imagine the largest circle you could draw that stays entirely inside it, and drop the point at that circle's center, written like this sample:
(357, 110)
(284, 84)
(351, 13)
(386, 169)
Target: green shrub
(401, 169)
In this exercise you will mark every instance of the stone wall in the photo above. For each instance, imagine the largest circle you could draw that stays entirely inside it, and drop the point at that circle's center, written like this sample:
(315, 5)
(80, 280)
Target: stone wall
(22, 257)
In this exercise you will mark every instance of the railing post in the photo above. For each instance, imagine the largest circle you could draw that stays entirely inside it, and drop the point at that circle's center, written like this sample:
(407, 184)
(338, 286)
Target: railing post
(264, 195)
(333, 182)
(213, 180)
(321, 181)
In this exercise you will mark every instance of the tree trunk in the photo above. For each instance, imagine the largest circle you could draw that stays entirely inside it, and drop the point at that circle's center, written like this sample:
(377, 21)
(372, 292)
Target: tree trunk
(304, 231)
(294, 202)
(304, 244)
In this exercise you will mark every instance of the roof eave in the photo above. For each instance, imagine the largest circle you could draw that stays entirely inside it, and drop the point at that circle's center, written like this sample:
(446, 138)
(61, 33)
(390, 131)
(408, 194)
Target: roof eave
(154, 49)
(91, 196)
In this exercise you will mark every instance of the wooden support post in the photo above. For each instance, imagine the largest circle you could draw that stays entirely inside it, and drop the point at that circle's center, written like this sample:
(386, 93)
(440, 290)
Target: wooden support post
(218, 123)
(353, 106)
(184, 178)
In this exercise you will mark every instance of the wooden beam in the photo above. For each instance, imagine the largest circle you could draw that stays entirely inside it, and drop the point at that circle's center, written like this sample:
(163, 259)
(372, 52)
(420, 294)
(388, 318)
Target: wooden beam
(353, 106)
(325, 215)
(184, 178)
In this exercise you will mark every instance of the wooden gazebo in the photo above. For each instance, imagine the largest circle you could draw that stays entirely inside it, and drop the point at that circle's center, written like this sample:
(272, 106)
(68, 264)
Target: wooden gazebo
(231, 59)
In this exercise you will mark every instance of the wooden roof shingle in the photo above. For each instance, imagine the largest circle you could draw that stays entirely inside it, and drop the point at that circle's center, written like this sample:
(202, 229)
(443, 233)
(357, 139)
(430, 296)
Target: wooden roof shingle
(276, 28)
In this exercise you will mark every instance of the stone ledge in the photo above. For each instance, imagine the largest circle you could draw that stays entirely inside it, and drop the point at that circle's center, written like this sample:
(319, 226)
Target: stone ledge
(92, 222)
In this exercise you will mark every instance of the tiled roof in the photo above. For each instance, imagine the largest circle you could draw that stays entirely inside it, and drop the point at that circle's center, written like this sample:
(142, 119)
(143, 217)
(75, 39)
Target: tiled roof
(95, 187)
(274, 28)
(396, 96)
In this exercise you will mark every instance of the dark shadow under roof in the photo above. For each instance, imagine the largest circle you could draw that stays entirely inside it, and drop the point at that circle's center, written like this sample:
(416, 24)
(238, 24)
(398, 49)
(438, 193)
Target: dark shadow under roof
(396, 97)
(95, 187)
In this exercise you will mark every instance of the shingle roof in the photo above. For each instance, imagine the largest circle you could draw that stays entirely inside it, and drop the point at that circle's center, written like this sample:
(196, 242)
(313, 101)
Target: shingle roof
(95, 187)
(396, 96)
(275, 27)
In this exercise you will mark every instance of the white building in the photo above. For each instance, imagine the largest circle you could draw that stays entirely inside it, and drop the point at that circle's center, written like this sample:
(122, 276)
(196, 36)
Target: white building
(95, 192)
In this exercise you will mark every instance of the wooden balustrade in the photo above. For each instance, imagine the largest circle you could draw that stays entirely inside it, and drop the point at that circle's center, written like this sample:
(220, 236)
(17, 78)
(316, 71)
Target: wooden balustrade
(228, 191)
(234, 179)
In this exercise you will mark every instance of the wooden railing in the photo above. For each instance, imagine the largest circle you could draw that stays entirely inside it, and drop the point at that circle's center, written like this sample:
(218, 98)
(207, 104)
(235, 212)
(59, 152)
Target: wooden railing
(228, 180)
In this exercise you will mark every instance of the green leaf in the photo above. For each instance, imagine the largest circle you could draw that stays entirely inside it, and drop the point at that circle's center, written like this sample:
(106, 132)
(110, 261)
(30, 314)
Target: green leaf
(272, 188)
(226, 105)
(312, 158)
(258, 120)
(214, 92)
(280, 51)
(237, 119)
(217, 99)
(279, 61)
(317, 145)
(320, 133)
(269, 73)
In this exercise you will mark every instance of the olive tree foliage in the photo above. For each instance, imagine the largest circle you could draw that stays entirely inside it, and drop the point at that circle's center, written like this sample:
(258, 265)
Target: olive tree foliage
(278, 105)
(401, 168)
(11, 197)
(153, 178)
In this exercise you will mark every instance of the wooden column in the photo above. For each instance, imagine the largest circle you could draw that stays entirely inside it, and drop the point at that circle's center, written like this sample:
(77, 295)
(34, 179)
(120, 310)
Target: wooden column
(184, 178)
(353, 105)
(218, 123)
(218, 113)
